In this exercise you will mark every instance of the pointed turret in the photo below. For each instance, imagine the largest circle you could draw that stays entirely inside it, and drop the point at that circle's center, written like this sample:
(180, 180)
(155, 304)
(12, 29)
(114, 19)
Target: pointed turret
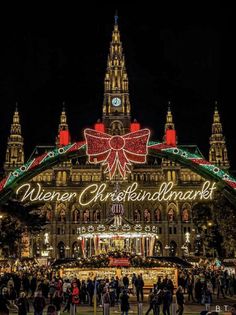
(116, 104)
(170, 132)
(15, 144)
(218, 154)
(169, 138)
(63, 137)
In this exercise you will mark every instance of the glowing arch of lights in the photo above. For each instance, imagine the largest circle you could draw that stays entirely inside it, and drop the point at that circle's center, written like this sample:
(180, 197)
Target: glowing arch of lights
(38, 165)
(174, 153)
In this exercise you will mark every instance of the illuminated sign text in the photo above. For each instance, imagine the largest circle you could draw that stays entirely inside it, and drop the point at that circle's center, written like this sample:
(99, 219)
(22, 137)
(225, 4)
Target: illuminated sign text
(95, 193)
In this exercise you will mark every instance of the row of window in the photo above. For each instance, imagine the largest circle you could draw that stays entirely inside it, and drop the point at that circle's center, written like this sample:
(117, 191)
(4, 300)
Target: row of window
(138, 215)
(62, 177)
(172, 230)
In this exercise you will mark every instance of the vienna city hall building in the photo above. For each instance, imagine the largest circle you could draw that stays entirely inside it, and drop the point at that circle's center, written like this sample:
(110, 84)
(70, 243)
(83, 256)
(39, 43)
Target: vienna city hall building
(132, 202)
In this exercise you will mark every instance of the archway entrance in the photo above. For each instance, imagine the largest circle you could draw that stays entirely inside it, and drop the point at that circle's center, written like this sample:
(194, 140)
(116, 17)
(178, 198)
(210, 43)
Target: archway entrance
(227, 183)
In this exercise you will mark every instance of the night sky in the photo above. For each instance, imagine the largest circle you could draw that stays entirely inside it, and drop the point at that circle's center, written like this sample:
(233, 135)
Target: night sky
(182, 52)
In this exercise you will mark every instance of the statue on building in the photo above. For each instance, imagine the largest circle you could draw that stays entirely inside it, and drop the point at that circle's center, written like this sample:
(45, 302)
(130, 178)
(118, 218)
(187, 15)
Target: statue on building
(147, 215)
(137, 215)
(171, 215)
(157, 215)
(185, 215)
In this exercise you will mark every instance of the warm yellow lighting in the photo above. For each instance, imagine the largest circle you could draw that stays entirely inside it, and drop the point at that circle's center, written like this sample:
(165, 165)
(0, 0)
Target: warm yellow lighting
(98, 193)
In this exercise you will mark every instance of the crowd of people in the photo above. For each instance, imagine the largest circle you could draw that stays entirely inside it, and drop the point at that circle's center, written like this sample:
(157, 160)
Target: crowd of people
(45, 292)
(57, 294)
(202, 285)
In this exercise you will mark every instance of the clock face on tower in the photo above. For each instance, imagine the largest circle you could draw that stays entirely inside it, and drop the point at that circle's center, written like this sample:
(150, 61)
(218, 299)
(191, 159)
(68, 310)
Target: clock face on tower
(116, 101)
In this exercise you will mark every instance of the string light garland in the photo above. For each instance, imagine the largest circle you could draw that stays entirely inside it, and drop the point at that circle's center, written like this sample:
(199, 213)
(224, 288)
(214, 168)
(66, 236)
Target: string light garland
(102, 260)
(194, 161)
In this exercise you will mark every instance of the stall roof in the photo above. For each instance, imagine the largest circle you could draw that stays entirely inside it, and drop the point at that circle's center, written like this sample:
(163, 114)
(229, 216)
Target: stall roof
(176, 260)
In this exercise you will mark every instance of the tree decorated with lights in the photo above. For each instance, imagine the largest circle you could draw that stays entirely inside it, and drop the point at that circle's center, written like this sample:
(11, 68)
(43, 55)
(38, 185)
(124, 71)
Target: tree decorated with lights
(16, 220)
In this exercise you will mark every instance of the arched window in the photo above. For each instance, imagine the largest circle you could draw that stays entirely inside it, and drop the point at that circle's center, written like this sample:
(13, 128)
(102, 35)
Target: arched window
(171, 214)
(96, 215)
(61, 210)
(61, 250)
(75, 215)
(47, 212)
(185, 214)
(86, 216)
(173, 249)
(158, 249)
(75, 250)
(157, 215)
(137, 215)
(147, 215)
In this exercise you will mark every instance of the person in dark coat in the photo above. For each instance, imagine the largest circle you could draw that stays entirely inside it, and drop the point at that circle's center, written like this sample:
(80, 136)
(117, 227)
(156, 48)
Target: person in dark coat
(26, 284)
(180, 300)
(39, 303)
(126, 281)
(33, 285)
(166, 300)
(198, 291)
(4, 303)
(57, 300)
(23, 304)
(150, 298)
(124, 303)
(139, 284)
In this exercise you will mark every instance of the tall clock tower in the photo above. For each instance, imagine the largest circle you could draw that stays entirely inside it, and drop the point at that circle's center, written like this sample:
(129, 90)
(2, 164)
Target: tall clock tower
(116, 104)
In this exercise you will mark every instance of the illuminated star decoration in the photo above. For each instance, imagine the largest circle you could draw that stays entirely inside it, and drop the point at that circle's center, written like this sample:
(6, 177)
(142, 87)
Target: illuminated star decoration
(117, 152)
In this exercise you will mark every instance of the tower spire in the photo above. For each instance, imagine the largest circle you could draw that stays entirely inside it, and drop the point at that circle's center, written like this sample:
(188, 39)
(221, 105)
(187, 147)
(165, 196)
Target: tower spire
(218, 154)
(63, 137)
(169, 118)
(116, 101)
(170, 137)
(15, 151)
(116, 17)
(170, 133)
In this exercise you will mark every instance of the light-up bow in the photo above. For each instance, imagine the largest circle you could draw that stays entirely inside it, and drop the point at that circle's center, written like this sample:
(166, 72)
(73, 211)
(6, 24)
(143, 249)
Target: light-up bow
(117, 152)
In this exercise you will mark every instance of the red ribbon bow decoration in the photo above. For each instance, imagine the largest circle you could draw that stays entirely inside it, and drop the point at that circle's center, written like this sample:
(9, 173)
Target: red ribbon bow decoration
(117, 152)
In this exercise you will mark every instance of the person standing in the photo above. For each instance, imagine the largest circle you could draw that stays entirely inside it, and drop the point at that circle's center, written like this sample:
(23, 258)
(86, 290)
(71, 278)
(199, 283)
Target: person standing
(133, 283)
(166, 300)
(39, 303)
(23, 304)
(124, 303)
(190, 289)
(139, 284)
(90, 290)
(150, 298)
(180, 300)
(57, 300)
(74, 298)
(4, 303)
(33, 285)
(126, 282)
(106, 302)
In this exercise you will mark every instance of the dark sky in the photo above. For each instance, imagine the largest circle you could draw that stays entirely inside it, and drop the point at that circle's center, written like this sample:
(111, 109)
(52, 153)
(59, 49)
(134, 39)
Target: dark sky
(180, 51)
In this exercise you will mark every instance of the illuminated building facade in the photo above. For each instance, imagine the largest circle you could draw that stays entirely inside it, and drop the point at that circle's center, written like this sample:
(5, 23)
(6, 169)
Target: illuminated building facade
(149, 224)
